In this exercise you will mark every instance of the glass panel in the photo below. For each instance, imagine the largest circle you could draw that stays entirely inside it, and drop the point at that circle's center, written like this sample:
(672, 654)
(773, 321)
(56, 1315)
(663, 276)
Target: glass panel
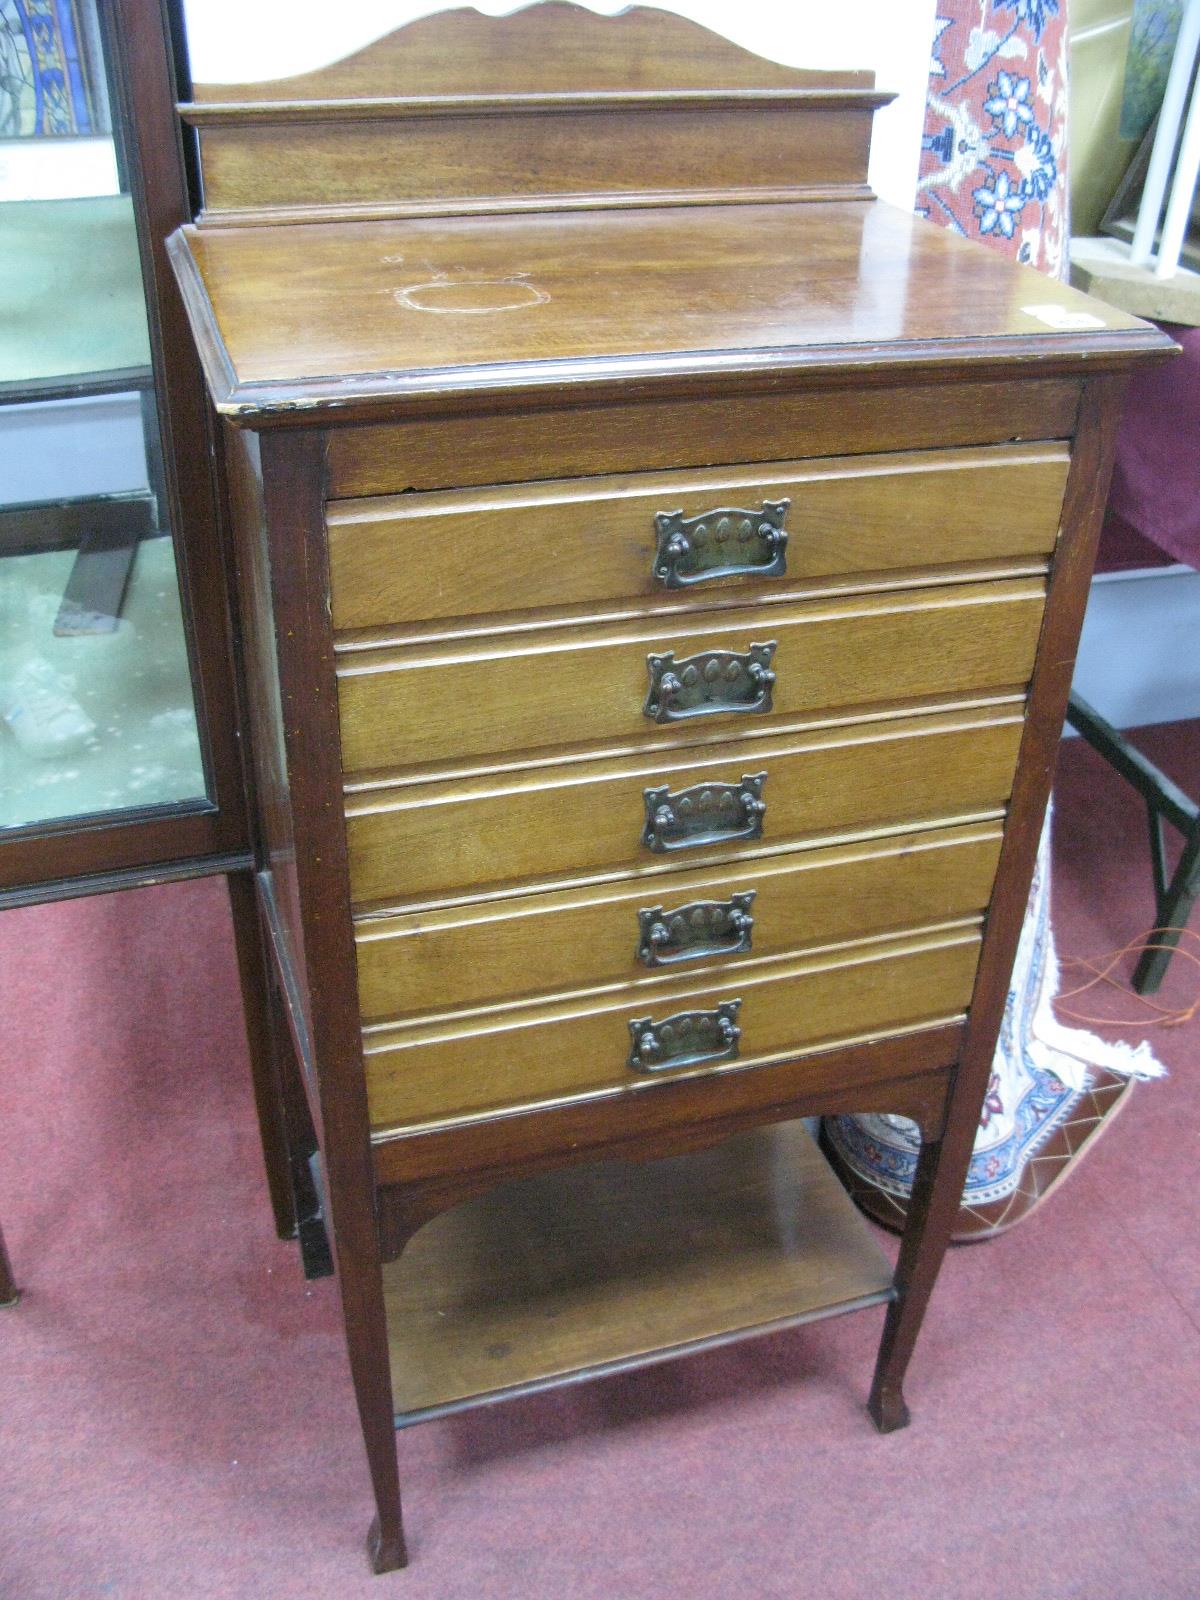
(96, 707)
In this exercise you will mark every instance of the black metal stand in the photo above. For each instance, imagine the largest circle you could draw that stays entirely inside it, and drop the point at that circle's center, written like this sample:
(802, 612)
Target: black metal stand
(1165, 802)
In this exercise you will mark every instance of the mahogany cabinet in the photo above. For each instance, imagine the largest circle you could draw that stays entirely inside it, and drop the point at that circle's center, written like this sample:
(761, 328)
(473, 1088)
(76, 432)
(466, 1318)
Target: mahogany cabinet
(660, 569)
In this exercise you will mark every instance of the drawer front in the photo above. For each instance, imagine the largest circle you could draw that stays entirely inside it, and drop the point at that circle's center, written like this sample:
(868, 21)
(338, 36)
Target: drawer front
(399, 707)
(515, 446)
(424, 557)
(441, 961)
(528, 1055)
(424, 841)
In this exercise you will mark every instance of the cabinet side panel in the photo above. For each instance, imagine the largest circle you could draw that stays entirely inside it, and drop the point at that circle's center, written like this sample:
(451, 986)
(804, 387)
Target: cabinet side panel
(277, 854)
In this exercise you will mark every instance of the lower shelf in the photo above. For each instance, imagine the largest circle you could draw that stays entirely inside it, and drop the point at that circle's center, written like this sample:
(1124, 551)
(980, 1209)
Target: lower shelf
(606, 1267)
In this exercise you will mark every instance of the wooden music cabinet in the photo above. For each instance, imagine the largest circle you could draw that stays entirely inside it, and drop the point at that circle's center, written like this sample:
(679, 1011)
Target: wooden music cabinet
(661, 566)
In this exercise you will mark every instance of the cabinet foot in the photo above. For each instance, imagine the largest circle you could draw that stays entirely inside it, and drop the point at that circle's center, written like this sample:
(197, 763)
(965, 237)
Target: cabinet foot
(888, 1410)
(9, 1293)
(385, 1550)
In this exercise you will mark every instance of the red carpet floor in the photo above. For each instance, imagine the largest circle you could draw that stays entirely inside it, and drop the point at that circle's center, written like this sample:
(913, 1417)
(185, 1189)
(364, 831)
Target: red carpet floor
(176, 1418)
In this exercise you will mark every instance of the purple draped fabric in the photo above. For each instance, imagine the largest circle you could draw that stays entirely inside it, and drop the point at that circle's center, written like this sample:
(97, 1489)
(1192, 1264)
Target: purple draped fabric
(1156, 483)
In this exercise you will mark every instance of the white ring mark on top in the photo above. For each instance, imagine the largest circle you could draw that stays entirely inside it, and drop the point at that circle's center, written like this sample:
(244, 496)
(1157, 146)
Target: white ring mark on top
(465, 297)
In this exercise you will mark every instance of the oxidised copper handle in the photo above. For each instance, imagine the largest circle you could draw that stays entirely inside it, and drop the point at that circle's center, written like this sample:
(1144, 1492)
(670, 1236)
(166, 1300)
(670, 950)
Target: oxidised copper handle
(711, 682)
(686, 1039)
(701, 928)
(726, 543)
(707, 813)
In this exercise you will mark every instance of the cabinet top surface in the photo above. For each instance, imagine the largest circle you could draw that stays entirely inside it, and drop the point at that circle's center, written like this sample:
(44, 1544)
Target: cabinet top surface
(359, 313)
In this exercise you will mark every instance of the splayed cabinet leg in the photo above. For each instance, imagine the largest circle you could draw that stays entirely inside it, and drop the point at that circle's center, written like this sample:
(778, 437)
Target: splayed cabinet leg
(366, 1334)
(930, 1215)
(385, 1548)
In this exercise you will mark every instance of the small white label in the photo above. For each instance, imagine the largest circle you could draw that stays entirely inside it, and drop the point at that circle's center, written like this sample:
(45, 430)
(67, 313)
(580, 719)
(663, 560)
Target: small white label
(1061, 317)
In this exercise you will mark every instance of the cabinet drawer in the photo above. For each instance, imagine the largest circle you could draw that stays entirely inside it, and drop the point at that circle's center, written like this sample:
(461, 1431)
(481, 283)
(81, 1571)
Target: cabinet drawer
(507, 445)
(572, 685)
(424, 841)
(584, 541)
(441, 961)
(424, 1072)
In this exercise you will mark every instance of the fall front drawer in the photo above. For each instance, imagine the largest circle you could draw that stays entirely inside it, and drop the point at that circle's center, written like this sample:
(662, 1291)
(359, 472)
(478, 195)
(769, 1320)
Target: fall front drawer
(766, 1011)
(590, 938)
(418, 842)
(570, 685)
(584, 541)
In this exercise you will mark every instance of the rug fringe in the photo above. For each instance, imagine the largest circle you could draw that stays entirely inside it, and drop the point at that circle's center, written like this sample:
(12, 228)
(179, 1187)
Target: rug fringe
(1069, 1052)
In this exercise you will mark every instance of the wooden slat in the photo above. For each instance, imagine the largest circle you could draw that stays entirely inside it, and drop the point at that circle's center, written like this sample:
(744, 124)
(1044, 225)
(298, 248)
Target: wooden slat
(466, 553)
(606, 1266)
(586, 938)
(646, 435)
(562, 687)
(444, 840)
(525, 1055)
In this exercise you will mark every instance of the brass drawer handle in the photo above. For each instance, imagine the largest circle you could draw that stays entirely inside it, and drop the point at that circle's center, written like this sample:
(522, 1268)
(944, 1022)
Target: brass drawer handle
(713, 681)
(685, 1039)
(701, 928)
(707, 813)
(728, 542)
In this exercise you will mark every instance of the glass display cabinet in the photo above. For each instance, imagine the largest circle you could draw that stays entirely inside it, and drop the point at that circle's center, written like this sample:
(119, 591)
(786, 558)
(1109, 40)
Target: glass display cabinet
(120, 757)
(118, 744)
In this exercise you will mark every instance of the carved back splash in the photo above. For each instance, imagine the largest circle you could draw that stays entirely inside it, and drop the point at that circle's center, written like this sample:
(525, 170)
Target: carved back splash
(549, 107)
